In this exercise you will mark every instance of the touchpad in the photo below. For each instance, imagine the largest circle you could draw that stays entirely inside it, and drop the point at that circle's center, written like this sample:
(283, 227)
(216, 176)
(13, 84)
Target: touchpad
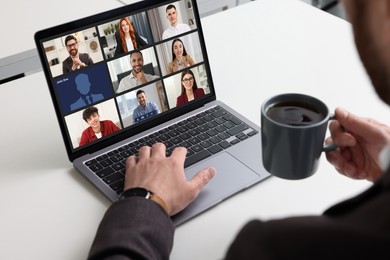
(231, 177)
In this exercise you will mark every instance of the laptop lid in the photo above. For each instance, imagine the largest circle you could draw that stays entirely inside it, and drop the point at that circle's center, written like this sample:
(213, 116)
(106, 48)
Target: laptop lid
(127, 68)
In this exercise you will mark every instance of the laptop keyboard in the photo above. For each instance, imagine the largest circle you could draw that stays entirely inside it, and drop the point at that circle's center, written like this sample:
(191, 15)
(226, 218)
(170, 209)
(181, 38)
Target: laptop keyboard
(203, 135)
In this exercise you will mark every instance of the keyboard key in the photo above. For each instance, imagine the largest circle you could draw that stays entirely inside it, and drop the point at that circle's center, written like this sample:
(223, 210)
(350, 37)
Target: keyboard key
(213, 132)
(117, 186)
(106, 163)
(235, 141)
(233, 119)
(215, 139)
(185, 144)
(173, 133)
(191, 119)
(219, 113)
(203, 128)
(123, 148)
(116, 158)
(242, 136)
(208, 118)
(191, 125)
(189, 153)
(221, 128)
(229, 124)
(176, 140)
(215, 149)
(206, 144)
(89, 163)
(102, 157)
(118, 166)
(201, 114)
(200, 121)
(211, 124)
(168, 144)
(105, 172)
(95, 167)
(196, 158)
(164, 137)
(173, 127)
(203, 136)
(113, 178)
(185, 136)
(126, 154)
(194, 140)
(252, 133)
(197, 148)
(182, 129)
(194, 132)
(168, 152)
(224, 144)
(237, 129)
(219, 121)
(223, 136)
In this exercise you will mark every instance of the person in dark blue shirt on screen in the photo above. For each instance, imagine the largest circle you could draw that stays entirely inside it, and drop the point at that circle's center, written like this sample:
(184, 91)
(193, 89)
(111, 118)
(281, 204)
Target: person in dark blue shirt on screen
(144, 109)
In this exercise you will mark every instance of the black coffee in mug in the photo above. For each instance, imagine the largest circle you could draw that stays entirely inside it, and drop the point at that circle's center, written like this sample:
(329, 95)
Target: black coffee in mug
(293, 128)
(295, 113)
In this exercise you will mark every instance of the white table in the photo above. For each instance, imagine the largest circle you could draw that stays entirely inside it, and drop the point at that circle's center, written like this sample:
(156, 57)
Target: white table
(48, 211)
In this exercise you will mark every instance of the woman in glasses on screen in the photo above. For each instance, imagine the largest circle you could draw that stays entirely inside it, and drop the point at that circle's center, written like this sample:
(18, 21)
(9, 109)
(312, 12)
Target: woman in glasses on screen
(180, 58)
(189, 88)
(127, 38)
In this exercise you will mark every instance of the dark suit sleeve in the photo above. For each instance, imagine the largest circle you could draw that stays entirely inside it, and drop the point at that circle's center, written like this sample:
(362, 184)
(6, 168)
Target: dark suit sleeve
(133, 228)
(86, 59)
(119, 49)
(355, 229)
(66, 65)
(316, 237)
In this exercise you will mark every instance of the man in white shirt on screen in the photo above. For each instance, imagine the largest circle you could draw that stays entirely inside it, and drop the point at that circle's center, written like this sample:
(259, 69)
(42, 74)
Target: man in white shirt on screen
(137, 76)
(175, 27)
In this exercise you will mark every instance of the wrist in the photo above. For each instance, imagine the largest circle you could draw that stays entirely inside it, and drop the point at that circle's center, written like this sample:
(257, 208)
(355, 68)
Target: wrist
(144, 193)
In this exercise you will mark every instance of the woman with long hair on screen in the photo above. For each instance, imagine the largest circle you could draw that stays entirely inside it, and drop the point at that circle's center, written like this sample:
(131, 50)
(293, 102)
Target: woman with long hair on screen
(189, 88)
(180, 58)
(127, 39)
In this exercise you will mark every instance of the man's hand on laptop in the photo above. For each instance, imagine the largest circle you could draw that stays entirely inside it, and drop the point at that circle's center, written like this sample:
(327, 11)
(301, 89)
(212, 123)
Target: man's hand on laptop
(164, 176)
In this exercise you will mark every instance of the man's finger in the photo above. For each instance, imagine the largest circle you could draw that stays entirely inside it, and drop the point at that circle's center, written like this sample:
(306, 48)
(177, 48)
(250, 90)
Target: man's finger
(179, 153)
(158, 150)
(354, 123)
(201, 179)
(144, 152)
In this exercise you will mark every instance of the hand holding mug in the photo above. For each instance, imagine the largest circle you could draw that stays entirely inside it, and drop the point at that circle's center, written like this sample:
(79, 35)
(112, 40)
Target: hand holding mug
(360, 141)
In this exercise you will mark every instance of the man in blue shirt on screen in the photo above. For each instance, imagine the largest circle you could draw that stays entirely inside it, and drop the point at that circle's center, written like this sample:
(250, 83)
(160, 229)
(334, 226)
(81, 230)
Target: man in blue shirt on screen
(144, 109)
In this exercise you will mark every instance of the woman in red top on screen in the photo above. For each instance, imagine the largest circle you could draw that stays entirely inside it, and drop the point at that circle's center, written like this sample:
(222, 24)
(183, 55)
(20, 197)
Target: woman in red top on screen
(97, 129)
(127, 38)
(189, 88)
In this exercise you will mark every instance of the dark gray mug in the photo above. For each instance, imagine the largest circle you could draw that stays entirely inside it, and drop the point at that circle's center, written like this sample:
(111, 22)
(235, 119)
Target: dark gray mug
(293, 128)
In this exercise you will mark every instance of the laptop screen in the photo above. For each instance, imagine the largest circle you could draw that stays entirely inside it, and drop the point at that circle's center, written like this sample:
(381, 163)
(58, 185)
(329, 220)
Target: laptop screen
(118, 73)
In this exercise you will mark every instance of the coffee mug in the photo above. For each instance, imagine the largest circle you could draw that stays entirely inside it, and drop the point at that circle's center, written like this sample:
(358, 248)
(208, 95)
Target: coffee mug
(293, 128)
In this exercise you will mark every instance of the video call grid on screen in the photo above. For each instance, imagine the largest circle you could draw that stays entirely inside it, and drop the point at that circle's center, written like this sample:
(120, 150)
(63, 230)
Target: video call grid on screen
(97, 84)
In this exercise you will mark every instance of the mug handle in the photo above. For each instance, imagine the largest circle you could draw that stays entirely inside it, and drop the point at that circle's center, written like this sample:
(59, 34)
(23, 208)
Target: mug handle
(330, 147)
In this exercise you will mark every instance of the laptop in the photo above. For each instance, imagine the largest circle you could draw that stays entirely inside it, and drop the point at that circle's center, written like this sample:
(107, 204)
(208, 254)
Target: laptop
(126, 78)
